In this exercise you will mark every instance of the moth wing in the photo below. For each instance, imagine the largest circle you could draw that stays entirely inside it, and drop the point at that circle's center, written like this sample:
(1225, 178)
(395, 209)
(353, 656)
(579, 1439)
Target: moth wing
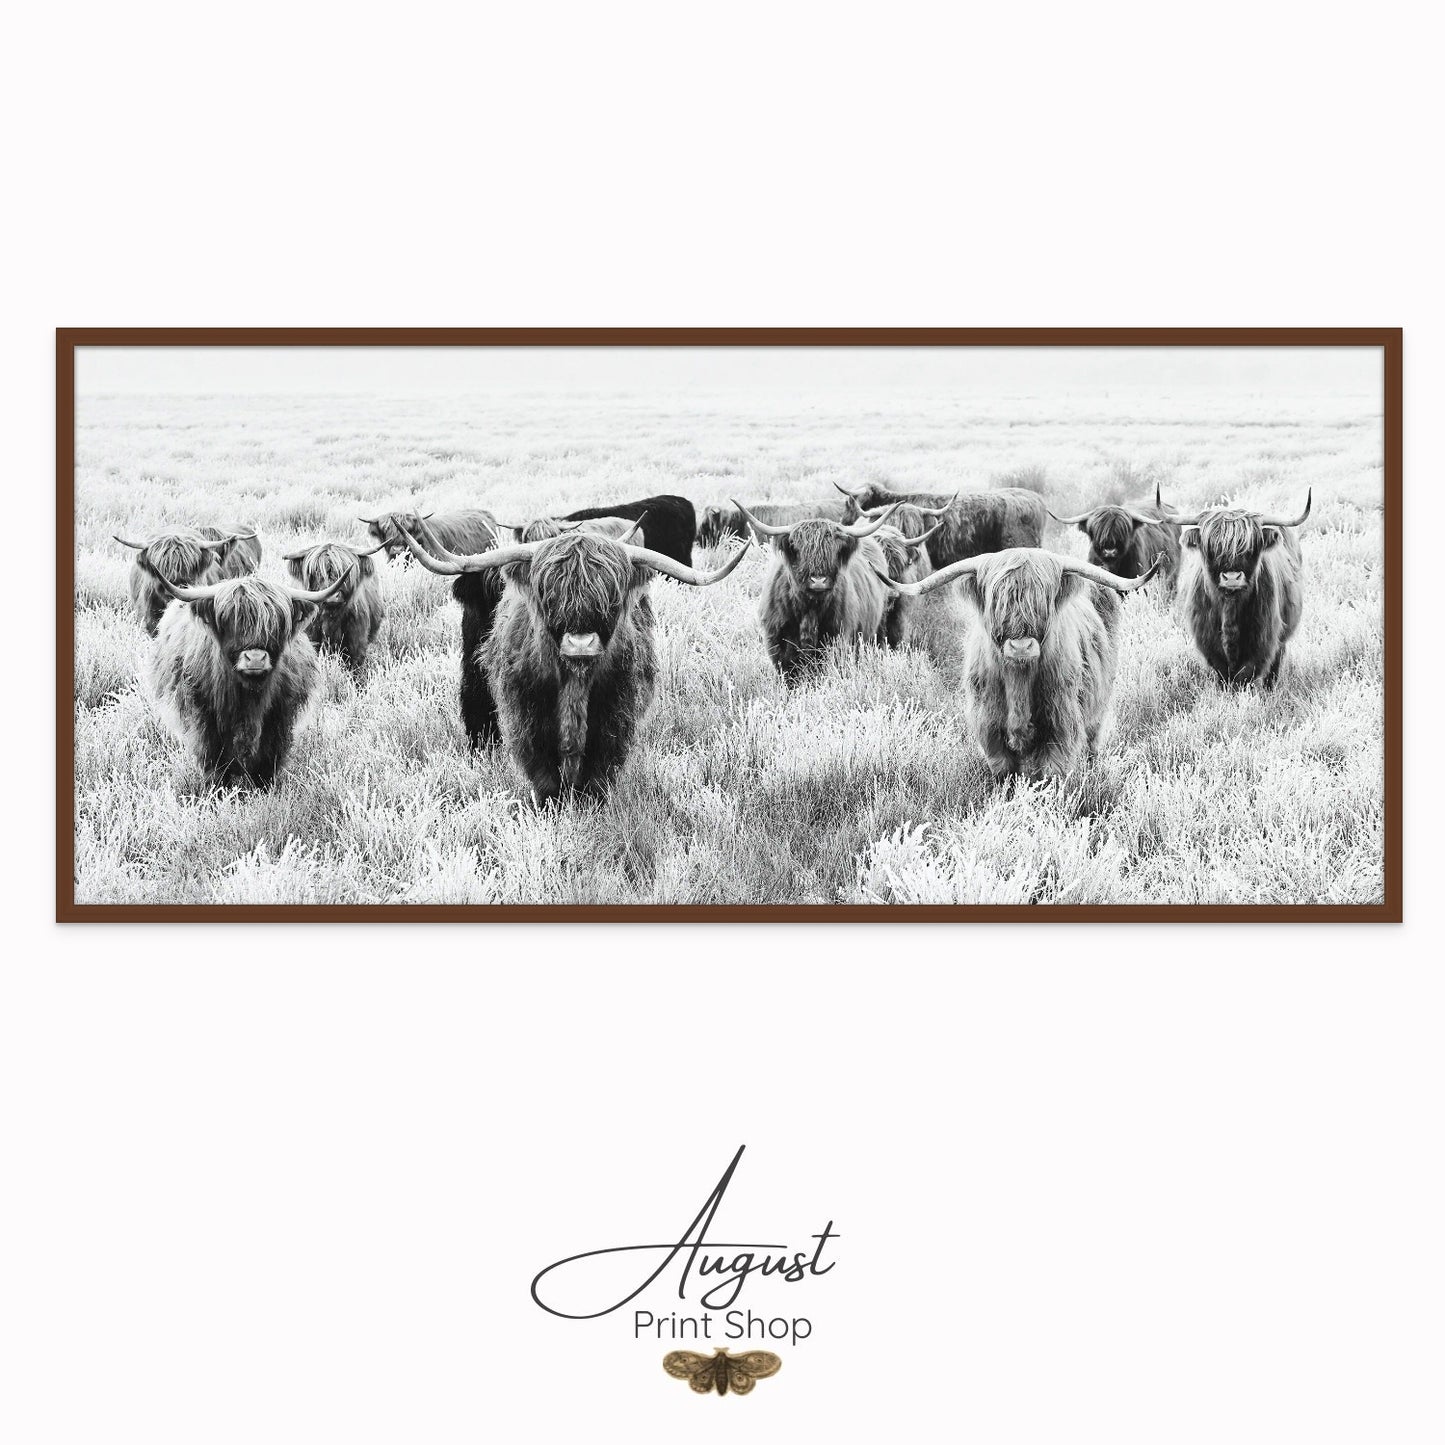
(744, 1370)
(697, 1370)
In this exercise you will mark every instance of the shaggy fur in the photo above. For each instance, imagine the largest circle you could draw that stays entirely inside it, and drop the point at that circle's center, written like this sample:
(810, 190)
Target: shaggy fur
(238, 729)
(465, 533)
(1126, 547)
(1038, 717)
(570, 722)
(179, 557)
(1242, 633)
(718, 522)
(904, 564)
(348, 621)
(670, 526)
(798, 621)
(977, 522)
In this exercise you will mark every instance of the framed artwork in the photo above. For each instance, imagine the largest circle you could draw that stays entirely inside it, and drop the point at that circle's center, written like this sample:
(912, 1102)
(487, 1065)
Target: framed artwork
(732, 625)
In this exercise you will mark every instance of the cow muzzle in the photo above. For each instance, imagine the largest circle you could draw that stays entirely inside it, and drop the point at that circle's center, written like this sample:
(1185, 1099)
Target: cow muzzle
(1021, 649)
(581, 644)
(254, 663)
(820, 584)
(1109, 553)
(332, 602)
(1231, 581)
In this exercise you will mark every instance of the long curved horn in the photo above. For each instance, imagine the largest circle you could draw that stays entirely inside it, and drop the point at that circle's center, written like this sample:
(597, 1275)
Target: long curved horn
(368, 520)
(369, 551)
(922, 537)
(295, 556)
(762, 528)
(846, 492)
(449, 564)
(296, 595)
(941, 578)
(867, 529)
(1174, 517)
(425, 516)
(135, 546)
(671, 567)
(190, 594)
(227, 541)
(632, 531)
(1108, 579)
(1068, 521)
(1297, 521)
(939, 511)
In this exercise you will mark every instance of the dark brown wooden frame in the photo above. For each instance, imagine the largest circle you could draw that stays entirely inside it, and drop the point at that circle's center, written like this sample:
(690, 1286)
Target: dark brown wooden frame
(1389, 340)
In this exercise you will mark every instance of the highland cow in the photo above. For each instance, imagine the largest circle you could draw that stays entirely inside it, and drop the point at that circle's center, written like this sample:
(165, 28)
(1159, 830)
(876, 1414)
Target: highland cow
(905, 554)
(538, 530)
(235, 668)
(348, 621)
(822, 587)
(1126, 540)
(1040, 661)
(669, 526)
(470, 530)
(186, 557)
(570, 658)
(1241, 591)
(974, 523)
(718, 521)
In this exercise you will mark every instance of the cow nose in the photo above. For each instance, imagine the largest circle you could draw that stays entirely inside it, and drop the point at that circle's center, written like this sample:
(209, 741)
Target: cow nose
(1111, 552)
(1021, 649)
(818, 584)
(1231, 581)
(581, 644)
(254, 661)
(333, 601)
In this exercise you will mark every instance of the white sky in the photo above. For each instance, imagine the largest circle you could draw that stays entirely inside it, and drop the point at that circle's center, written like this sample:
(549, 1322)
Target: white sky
(402, 371)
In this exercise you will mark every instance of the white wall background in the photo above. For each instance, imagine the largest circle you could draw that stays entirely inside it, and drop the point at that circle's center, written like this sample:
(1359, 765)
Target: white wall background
(1126, 1185)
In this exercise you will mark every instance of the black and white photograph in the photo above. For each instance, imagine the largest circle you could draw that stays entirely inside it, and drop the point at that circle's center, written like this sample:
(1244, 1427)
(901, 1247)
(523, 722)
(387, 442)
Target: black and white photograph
(745, 625)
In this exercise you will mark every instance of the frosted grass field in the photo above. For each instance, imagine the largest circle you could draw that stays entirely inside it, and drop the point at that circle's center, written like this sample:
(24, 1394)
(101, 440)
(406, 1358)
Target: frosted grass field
(863, 788)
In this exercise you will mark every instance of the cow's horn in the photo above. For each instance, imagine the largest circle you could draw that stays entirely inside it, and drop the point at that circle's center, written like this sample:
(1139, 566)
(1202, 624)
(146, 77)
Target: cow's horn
(1068, 521)
(671, 567)
(922, 537)
(135, 546)
(1294, 522)
(633, 530)
(867, 529)
(449, 564)
(763, 529)
(939, 511)
(224, 542)
(941, 578)
(1108, 579)
(296, 595)
(190, 594)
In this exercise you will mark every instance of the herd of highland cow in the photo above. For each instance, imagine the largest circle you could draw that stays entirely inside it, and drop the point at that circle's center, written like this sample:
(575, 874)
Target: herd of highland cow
(558, 658)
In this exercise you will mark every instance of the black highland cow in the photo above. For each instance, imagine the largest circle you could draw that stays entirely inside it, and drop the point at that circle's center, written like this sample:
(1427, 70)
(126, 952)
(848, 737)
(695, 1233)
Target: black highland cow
(570, 658)
(1241, 591)
(348, 621)
(973, 522)
(186, 557)
(668, 527)
(235, 669)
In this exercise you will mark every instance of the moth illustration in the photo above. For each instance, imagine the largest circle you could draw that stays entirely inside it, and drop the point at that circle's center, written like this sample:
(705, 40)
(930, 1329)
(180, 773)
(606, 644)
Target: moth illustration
(721, 1371)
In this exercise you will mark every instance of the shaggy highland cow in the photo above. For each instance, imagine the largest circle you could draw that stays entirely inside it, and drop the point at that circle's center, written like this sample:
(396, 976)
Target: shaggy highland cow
(718, 521)
(822, 586)
(668, 528)
(1126, 540)
(571, 659)
(1241, 592)
(186, 557)
(347, 622)
(470, 530)
(905, 554)
(1040, 662)
(235, 668)
(973, 522)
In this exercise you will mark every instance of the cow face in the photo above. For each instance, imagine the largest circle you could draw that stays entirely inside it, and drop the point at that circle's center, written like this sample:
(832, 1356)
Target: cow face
(317, 568)
(580, 588)
(184, 558)
(815, 553)
(1110, 531)
(252, 622)
(1231, 545)
(1018, 593)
